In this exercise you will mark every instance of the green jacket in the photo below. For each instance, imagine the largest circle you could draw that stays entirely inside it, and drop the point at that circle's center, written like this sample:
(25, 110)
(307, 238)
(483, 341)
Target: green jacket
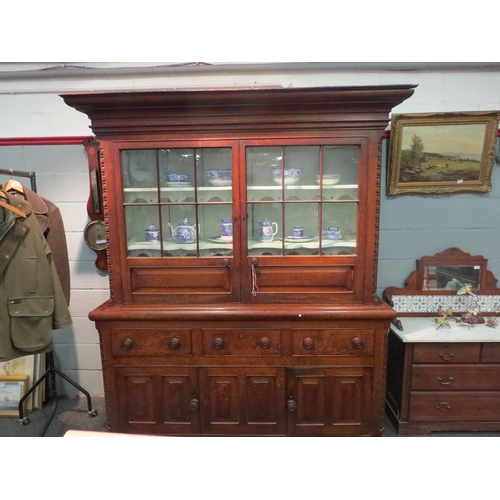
(32, 302)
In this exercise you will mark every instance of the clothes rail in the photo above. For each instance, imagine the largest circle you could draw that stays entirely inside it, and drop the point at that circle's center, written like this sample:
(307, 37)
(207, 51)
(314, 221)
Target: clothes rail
(21, 173)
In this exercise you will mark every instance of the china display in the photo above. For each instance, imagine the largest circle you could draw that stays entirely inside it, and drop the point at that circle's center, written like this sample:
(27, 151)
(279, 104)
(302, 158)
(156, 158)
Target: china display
(247, 306)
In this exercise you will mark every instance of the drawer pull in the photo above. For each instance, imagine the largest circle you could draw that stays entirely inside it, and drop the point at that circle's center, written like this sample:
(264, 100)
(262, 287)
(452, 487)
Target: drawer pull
(357, 343)
(174, 344)
(127, 344)
(218, 343)
(446, 354)
(445, 379)
(194, 405)
(443, 406)
(308, 344)
(265, 343)
(291, 405)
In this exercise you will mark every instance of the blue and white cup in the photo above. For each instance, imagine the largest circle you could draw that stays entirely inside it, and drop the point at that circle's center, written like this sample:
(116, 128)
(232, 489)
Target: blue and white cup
(298, 231)
(226, 229)
(152, 233)
(334, 233)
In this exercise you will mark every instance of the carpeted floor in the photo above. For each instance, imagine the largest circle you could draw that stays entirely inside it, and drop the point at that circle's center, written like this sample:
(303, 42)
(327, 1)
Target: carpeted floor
(71, 414)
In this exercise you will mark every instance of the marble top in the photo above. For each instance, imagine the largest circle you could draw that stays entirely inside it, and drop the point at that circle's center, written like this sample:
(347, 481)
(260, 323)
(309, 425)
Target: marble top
(424, 329)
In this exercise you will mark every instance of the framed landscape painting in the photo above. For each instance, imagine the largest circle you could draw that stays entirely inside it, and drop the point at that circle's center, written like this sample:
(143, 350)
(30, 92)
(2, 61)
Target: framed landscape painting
(442, 152)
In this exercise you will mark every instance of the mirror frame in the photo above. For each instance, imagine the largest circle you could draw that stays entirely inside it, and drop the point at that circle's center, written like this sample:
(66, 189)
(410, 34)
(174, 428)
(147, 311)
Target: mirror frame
(449, 257)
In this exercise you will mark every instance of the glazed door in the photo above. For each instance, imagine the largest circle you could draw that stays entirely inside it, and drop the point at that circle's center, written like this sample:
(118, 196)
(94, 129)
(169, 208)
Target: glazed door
(328, 401)
(303, 239)
(243, 400)
(178, 221)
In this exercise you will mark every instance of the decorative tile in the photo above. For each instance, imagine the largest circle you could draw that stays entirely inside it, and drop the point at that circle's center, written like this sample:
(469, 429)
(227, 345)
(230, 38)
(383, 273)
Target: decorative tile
(431, 303)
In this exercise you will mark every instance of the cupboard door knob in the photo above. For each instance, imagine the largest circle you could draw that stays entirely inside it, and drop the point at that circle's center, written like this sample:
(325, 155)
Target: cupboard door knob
(225, 262)
(127, 344)
(443, 405)
(174, 344)
(308, 343)
(357, 343)
(445, 379)
(218, 343)
(291, 405)
(265, 343)
(194, 405)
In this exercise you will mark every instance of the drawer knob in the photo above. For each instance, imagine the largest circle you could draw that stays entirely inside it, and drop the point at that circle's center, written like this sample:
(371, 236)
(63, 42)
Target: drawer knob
(308, 343)
(218, 343)
(291, 405)
(446, 354)
(357, 343)
(445, 379)
(265, 343)
(127, 344)
(174, 344)
(194, 404)
(443, 406)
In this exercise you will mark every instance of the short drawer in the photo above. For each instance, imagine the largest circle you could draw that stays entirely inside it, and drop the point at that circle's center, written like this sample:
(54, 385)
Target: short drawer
(490, 353)
(334, 342)
(455, 406)
(175, 342)
(227, 342)
(455, 378)
(446, 353)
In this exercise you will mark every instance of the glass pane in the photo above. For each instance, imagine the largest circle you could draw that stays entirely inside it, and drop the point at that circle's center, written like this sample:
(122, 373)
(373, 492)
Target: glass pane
(176, 171)
(216, 230)
(339, 228)
(340, 172)
(179, 230)
(264, 229)
(140, 178)
(214, 169)
(143, 233)
(301, 228)
(261, 163)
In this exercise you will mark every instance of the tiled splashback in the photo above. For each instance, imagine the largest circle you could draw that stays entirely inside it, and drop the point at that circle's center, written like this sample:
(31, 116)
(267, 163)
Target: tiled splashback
(431, 303)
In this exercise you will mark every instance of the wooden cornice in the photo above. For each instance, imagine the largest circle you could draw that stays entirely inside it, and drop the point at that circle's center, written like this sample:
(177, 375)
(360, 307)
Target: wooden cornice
(237, 111)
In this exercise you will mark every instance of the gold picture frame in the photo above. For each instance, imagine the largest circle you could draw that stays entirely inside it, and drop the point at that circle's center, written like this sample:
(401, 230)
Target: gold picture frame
(442, 152)
(12, 389)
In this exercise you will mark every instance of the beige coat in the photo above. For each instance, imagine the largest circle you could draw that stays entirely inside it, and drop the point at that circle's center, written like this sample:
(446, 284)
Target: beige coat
(32, 302)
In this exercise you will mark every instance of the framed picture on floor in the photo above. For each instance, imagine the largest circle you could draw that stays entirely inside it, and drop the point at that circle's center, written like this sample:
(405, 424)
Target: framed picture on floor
(442, 152)
(12, 389)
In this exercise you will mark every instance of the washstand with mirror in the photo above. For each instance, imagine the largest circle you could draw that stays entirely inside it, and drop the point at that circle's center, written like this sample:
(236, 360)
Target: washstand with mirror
(443, 362)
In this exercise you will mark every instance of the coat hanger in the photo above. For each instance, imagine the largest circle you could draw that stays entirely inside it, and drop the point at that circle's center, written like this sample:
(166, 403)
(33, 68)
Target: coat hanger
(9, 206)
(13, 185)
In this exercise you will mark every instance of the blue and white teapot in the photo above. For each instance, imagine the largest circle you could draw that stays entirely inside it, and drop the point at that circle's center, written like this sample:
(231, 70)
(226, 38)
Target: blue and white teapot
(185, 232)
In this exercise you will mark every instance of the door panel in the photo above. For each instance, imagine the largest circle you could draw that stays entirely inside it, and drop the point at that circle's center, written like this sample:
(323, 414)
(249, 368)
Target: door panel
(243, 400)
(141, 409)
(329, 401)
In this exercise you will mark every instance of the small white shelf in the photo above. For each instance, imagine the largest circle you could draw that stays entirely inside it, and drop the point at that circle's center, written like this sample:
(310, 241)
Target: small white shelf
(228, 188)
(252, 244)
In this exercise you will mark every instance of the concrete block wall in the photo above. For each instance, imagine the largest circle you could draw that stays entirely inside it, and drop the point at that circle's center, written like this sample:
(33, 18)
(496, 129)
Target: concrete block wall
(411, 226)
(62, 177)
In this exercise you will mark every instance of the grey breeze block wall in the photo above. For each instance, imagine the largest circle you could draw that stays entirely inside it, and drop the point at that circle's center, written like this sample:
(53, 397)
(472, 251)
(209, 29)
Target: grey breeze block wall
(62, 177)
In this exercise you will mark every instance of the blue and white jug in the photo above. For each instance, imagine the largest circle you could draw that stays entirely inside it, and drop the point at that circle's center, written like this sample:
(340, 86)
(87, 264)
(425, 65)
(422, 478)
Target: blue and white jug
(267, 230)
